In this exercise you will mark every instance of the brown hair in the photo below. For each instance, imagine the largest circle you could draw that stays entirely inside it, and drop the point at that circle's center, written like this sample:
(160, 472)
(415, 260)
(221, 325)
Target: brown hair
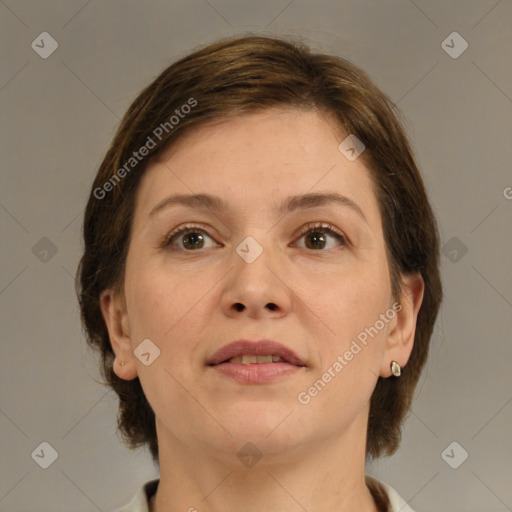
(226, 79)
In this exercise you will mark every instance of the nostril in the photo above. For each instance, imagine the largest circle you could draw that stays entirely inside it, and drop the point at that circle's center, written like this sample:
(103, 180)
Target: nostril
(271, 306)
(239, 307)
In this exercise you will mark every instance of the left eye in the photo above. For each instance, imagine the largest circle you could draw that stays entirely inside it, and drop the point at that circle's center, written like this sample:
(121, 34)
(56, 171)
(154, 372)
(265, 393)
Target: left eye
(317, 238)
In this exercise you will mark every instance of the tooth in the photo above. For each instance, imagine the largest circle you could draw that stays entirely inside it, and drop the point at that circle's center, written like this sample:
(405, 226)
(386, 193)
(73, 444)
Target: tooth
(264, 359)
(251, 359)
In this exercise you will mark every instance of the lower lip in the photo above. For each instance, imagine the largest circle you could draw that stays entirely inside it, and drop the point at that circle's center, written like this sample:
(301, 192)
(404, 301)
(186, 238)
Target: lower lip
(258, 373)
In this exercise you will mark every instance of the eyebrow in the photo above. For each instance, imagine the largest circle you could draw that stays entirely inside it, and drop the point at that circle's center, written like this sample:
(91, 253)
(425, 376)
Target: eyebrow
(292, 203)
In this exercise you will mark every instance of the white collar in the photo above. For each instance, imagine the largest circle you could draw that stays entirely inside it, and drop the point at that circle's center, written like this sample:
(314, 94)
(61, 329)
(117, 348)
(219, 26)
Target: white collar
(140, 502)
(398, 504)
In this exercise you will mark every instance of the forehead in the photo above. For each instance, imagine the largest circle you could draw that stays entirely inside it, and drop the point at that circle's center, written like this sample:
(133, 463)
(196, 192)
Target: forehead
(258, 160)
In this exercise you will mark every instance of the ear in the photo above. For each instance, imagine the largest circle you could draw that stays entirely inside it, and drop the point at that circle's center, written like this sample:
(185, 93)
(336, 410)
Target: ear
(113, 308)
(400, 340)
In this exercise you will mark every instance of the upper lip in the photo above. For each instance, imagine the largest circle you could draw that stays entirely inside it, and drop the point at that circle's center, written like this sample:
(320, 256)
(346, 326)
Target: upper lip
(256, 348)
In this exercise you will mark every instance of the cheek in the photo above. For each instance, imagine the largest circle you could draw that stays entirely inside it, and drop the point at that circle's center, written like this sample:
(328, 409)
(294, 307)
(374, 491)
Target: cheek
(349, 303)
(349, 355)
(165, 305)
(144, 296)
(161, 308)
(150, 306)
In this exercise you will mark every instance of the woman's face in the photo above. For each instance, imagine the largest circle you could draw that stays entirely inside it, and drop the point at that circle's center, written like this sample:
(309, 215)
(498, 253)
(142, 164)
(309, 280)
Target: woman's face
(260, 268)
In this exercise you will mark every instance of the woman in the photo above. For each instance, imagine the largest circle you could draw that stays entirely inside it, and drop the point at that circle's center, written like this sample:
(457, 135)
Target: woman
(261, 278)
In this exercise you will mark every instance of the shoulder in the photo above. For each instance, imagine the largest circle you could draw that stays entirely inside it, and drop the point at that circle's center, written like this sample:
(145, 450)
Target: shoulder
(394, 501)
(140, 502)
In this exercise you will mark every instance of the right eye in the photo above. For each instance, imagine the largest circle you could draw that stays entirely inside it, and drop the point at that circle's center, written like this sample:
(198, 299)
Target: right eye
(188, 238)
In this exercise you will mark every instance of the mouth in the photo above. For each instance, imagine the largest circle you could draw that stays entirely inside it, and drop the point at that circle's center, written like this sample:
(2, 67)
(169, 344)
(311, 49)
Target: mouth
(255, 352)
(255, 362)
(252, 359)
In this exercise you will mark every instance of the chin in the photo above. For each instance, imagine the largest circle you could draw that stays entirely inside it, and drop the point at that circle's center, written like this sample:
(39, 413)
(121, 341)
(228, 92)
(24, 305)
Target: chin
(272, 430)
(248, 447)
(257, 417)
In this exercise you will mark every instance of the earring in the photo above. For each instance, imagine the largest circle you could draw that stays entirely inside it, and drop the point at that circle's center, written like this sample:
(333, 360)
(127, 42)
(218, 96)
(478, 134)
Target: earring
(396, 370)
(122, 363)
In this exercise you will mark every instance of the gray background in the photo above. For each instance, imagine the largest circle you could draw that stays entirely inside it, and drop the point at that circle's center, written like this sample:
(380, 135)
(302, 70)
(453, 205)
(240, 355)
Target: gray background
(58, 116)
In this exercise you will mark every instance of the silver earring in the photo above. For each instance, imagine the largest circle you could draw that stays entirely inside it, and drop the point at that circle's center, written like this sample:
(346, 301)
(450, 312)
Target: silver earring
(396, 370)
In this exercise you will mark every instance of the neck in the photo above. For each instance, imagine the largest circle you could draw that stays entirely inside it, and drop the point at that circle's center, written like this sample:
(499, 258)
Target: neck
(329, 476)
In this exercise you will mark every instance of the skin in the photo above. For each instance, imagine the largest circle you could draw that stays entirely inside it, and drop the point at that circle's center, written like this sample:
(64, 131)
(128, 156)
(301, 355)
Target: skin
(184, 301)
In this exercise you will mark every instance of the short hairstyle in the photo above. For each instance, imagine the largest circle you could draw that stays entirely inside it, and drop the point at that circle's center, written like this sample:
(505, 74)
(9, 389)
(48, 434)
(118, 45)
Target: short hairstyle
(229, 78)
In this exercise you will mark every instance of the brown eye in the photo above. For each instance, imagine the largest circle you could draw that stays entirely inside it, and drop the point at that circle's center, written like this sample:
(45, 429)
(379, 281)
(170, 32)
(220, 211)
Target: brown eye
(315, 240)
(189, 239)
(192, 240)
(319, 238)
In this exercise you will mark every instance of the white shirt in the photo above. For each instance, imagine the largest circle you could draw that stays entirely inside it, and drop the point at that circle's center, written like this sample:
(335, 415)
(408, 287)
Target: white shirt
(140, 502)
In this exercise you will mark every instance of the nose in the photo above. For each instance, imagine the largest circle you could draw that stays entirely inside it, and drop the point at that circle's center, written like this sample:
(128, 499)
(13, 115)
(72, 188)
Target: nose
(258, 289)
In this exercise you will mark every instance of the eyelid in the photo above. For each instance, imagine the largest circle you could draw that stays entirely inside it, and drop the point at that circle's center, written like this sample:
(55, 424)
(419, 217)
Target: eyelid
(181, 230)
(326, 226)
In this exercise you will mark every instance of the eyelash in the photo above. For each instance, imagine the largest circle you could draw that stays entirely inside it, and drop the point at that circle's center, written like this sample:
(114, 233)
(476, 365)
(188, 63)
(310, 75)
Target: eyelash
(318, 227)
